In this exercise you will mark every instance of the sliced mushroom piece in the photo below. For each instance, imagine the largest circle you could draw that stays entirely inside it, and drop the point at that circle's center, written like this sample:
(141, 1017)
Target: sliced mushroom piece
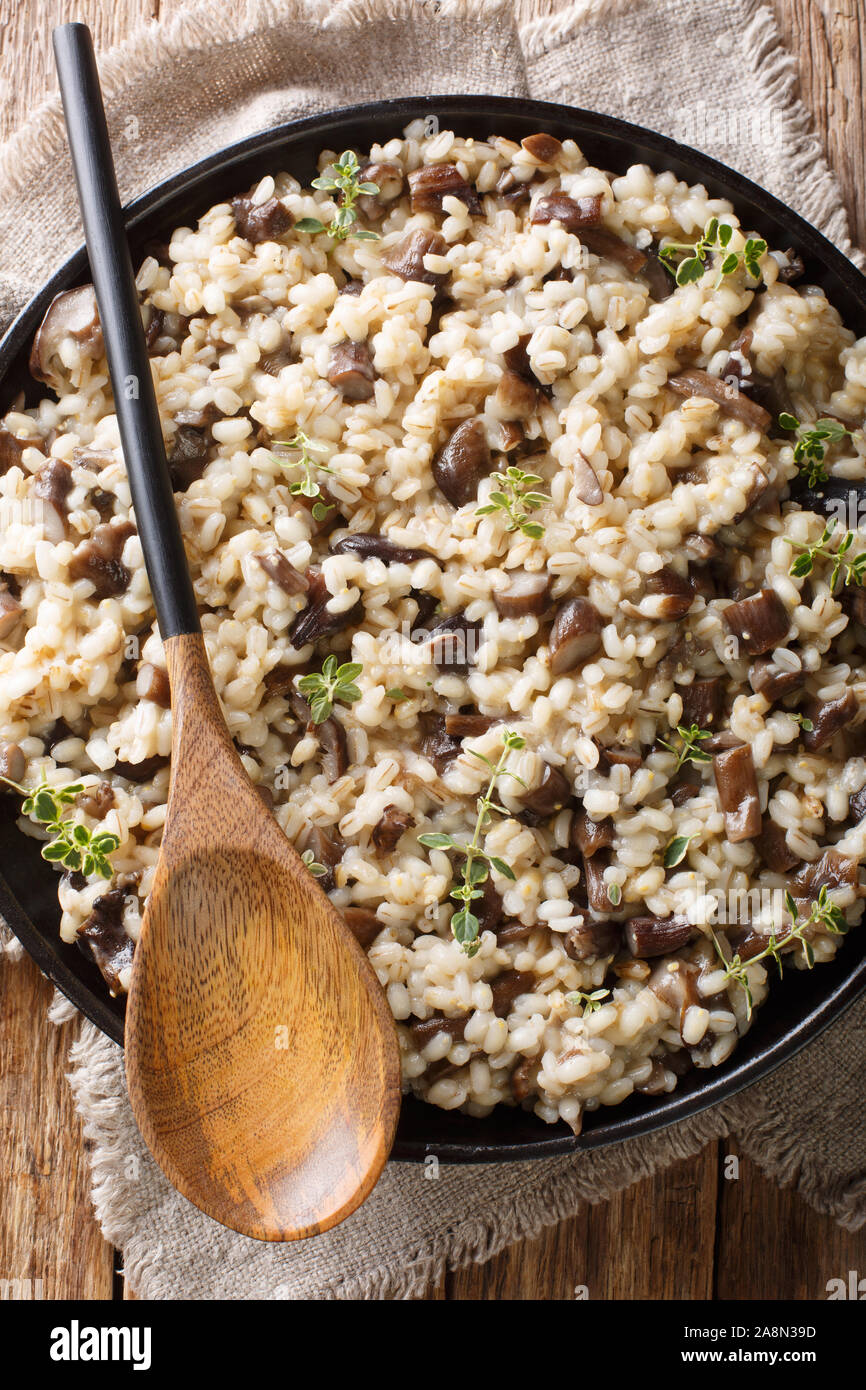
(772, 847)
(543, 147)
(614, 755)
(488, 908)
(832, 870)
(463, 725)
(738, 793)
(669, 595)
(759, 622)
(98, 559)
(439, 747)
(515, 398)
(143, 771)
(280, 680)
(793, 269)
(365, 544)
(13, 763)
(350, 369)
(586, 484)
(507, 989)
(72, 314)
(596, 888)
(328, 850)
(364, 925)
(575, 214)
(593, 938)
(11, 449)
(510, 932)
(199, 418)
(588, 835)
(425, 606)
(513, 191)
(720, 742)
(425, 1030)
(517, 360)
(104, 934)
(433, 182)
(675, 983)
(603, 242)
(647, 937)
(527, 595)
(521, 1078)
(284, 574)
(702, 702)
(696, 382)
(97, 801)
(828, 717)
(406, 257)
(701, 550)
(152, 684)
(856, 804)
(52, 485)
(188, 456)
(685, 785)
(575, 635)
(391, 826)
(659, 281)
(459, 467)
(10, 612)
(454, 643)
(745, 942)
(273, 362)
(552, 793)
(509, 436)
(316, 621)
(853, 600)
(388, 178)
(257, 222)
(335, 749)
(771, 681)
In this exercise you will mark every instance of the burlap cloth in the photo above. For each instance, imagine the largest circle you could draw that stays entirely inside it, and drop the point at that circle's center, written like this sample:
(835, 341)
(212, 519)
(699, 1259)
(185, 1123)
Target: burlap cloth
(713, 75)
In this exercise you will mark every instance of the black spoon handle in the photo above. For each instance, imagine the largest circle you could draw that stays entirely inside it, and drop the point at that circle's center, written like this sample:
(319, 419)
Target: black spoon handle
(117, 297)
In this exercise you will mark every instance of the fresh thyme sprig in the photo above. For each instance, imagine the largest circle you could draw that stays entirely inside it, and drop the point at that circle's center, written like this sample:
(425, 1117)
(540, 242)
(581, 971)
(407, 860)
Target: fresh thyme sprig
(824, 917)
(332, 683)
(477, 863)
(516, 498)
(690, 735)
(73, 845)
(853, 571)
(812, 444)
(716, 238)
(347, 184)
(306, 485)
(590, 1002)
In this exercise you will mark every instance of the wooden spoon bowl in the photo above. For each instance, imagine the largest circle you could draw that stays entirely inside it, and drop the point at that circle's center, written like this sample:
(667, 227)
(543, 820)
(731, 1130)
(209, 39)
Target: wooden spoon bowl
(261, 1053)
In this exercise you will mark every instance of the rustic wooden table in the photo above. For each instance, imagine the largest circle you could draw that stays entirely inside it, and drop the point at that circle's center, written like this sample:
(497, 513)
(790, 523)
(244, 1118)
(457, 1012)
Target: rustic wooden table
(692, 1232)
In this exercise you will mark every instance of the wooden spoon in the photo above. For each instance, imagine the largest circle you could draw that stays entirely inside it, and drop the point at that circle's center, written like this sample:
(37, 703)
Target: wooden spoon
(261, 1054)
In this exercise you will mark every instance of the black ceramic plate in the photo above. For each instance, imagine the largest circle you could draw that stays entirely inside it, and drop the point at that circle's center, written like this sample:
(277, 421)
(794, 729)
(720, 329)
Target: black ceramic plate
(801, 1005)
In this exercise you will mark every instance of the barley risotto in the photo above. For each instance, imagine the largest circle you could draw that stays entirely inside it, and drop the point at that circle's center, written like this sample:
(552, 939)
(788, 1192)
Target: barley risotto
(504, 485)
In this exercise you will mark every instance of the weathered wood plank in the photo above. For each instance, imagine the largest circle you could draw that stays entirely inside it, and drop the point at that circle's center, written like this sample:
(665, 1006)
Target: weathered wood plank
(47, 1232)
(771, 1244)
(653, 1241)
